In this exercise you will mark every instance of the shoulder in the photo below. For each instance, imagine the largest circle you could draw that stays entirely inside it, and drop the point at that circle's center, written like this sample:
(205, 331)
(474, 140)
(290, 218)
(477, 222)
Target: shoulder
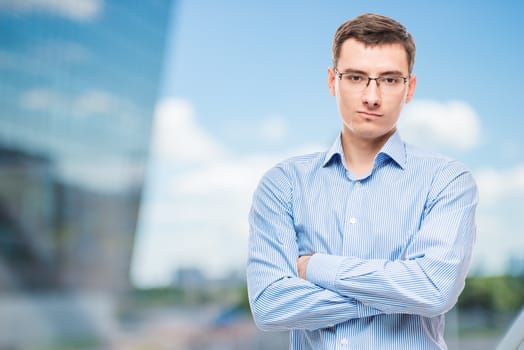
(288, 172)
(280, 181)
(444, 174)
(423, 160)
(299, 165)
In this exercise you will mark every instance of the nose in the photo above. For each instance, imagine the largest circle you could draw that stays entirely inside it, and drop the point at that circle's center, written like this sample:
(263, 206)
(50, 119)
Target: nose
(371, 94)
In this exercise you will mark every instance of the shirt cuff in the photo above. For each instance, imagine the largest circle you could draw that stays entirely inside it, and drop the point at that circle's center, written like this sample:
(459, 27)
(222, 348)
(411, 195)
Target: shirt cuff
(322, 270)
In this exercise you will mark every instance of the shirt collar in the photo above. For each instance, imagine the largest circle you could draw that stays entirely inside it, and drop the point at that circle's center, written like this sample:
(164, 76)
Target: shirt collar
(393, 149)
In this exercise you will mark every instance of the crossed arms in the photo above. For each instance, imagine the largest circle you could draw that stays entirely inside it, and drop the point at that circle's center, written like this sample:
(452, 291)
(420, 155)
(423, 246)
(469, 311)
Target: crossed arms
(287, 291)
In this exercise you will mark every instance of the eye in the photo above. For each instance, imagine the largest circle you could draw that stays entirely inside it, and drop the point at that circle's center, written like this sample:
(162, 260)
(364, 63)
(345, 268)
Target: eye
(391, 80)
(355, 78)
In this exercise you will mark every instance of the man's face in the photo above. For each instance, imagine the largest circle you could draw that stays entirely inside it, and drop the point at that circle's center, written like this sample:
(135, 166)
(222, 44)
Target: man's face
(370, 112)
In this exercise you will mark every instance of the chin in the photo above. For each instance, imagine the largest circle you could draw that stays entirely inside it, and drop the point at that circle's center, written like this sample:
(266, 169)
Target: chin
(371, 132)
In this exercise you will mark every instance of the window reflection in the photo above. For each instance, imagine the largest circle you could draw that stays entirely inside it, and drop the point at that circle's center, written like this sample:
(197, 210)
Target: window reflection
(78, 84)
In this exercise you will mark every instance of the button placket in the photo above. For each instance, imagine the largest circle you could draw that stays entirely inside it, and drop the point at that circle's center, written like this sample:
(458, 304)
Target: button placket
(353, 211)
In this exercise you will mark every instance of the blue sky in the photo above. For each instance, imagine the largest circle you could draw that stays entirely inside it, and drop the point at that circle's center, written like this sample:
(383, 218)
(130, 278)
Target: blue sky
(239, 60)
(244, 87)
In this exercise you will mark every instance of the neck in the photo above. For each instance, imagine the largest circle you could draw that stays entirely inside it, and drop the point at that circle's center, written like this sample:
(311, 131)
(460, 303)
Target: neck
(360, 153)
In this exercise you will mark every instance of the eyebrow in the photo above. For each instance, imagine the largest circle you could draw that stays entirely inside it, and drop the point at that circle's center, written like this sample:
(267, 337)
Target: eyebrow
(356, 71)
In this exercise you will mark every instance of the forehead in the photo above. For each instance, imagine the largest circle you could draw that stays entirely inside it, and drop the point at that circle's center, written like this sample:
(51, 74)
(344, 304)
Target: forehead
(372, 59)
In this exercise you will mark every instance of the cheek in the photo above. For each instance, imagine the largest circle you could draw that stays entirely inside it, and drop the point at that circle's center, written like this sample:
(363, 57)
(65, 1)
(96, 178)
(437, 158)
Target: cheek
(395, 114)
(345, 101)
(397, 105)
(344, 107)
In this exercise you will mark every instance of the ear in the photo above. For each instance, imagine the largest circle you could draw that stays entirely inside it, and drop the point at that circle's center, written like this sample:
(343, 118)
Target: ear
(331, 81)
(412, 84)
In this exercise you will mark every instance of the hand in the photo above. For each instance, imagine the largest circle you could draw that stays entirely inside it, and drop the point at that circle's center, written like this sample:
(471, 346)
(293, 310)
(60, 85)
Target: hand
(302, 265)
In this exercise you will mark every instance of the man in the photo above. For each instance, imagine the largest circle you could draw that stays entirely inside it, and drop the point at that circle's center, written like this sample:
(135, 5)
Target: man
(367, 245)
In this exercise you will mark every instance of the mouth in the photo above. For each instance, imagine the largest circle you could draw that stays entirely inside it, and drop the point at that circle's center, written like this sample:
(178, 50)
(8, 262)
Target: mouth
(369, 115)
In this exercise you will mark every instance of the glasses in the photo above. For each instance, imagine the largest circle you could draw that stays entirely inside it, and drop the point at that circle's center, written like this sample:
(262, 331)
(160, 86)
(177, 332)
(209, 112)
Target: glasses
(388, 84)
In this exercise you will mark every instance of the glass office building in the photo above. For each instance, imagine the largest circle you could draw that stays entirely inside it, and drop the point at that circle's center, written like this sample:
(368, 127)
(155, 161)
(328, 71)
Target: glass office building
(78, 86)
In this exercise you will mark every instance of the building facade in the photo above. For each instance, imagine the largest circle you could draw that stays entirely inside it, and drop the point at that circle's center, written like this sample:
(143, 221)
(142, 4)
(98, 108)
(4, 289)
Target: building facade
(78, 85)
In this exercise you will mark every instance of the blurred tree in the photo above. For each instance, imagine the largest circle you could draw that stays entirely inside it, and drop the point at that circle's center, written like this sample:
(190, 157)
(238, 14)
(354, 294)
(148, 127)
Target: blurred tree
(493, 294)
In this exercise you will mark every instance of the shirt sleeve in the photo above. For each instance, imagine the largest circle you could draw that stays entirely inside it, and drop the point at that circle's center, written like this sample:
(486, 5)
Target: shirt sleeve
(430, 276)
(279, 299)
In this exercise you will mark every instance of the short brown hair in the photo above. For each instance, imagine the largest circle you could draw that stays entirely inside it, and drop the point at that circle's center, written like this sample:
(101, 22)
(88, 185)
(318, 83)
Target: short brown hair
(372, 30)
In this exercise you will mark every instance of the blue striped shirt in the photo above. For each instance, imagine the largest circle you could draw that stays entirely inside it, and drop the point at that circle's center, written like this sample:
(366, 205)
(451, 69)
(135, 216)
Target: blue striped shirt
(391, 248)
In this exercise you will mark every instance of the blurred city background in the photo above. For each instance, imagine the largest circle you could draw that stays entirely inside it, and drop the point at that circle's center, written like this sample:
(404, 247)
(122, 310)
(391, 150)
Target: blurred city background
(133, 133)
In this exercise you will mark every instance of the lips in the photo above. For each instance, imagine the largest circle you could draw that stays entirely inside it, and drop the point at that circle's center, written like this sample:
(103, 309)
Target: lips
(369, 115)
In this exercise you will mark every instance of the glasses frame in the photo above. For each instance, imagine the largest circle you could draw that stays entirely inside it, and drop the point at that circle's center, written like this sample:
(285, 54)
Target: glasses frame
(376, 79)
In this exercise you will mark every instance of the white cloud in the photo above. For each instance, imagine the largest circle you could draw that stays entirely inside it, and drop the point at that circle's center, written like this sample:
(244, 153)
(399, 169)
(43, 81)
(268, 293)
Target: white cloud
(500, 232)
(178, 138)
(496, 186)
(224, 176)
(72, 9)
(450, 125)
(499, 237)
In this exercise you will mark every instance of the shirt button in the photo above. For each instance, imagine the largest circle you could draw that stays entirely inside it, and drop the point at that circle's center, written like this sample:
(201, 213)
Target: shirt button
(358, 184)
(344, 341)
(352, 220)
